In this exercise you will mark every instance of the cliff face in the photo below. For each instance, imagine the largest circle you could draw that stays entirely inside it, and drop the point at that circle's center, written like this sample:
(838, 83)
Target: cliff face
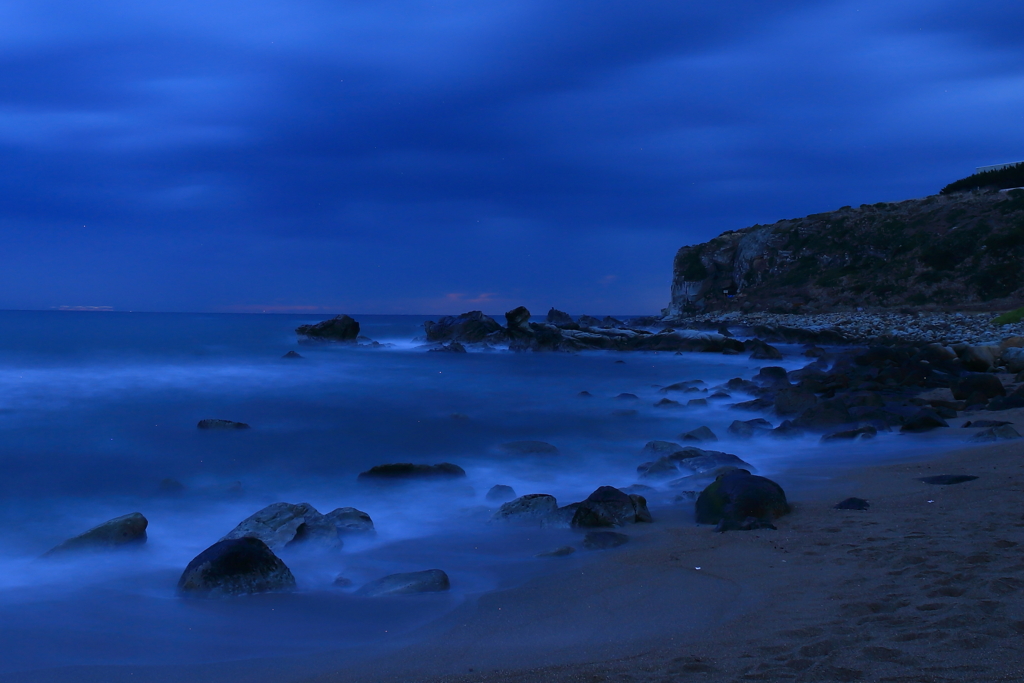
(962, 250)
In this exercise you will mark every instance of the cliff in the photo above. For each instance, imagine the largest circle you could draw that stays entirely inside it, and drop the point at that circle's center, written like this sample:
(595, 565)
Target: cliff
(959, 250)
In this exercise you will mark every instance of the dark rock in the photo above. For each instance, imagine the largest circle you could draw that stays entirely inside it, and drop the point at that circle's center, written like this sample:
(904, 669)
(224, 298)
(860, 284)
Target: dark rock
(528, 448)
(350, 521)
(558, 552)
(500, 493)
(985, 383)
(1003, 433)
(517, 318)
(689, 461)
(763, 403)
(221, 424)
(985, 423)
(852, 504)
(863, 432)
(589, 321)
(533, 508)
(772, 376)
(697, 403)
(450, 347)
(459, 416)
(620, 362)
(656, 449)
(947, 479)
(121, 532)
(793, 401)
(667, 403)
(611, 322)
(584, 394)
(978, 358)
(291, 354)
(429, 581)
(824, 414)
(608, 506)
(763, 351)
(740, 384)
(748, 524)
(787, 429)
(238, 566)
(627, 397)
(469, 328)
(603, 540)
(1015, 400)
(719, 394)
(284, 524)
(924, 420)
(405, 471)
(340, 328)
(699, 434)
(557, 317)
(341, 581)
(738, 495)
(745, 429)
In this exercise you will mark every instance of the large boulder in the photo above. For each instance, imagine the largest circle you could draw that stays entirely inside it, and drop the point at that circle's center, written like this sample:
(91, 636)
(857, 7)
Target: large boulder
(221, 424)
(689, 461)
(340, 328)
(979, 358)
(407, 471)
(983, 382)
(533, 508)
(350, 521)
(429, 581)
(517, 318)
(284, 524)
(236, 566)
(610, 507)
(124, 531)
(469, 328)
(740, 499)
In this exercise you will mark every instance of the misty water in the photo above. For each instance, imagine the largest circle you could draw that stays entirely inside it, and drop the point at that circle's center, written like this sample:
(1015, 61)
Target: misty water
(96, 409)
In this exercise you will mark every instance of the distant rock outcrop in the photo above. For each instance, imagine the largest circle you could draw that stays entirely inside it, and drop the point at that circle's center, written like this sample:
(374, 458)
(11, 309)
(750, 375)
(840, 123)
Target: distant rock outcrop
(341, 328)
(469, 328)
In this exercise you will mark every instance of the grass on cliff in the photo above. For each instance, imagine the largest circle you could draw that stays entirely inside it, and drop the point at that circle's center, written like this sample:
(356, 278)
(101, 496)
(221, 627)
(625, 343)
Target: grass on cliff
(1000, 179)
(1009, 318)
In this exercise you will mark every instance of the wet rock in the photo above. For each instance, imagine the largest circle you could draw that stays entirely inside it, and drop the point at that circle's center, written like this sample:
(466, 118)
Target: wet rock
(284, 524)
(405, 471)
(350, 521)
(737, 496)
(121, 532)
(763, 403)
(745, 429)
(1013, 359)
(824, 414)
(947, 479)
(1003, 433)
(772, 376)
(696, 403)
(528, 448)
(763, 351)
(237, 566)
(985, 423)
(719, 395)
(603, 540)
(221, 424)
(740, 384)
(564, 551)
(500, 493)
(340, 328)
(429, 581)
(699, 434)
(852, 504)
(985, 383)
(862, 432)
(450, 347)
(667, 403)
(517, 318)
(469, 328)
(689, 385)
(793, 401)
(924, 420)
(608, 506)
(1015, 400)
(656, 449)
(787, 429)
(688, 461)
(291, 354)
(533, 508)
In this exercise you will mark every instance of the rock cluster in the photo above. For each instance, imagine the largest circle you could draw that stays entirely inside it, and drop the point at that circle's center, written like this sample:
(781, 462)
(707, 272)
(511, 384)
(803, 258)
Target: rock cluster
(286, 525)
(605, 507)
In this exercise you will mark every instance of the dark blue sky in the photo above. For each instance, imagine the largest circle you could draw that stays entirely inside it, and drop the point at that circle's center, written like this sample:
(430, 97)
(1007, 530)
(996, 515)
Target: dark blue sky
(385, 156)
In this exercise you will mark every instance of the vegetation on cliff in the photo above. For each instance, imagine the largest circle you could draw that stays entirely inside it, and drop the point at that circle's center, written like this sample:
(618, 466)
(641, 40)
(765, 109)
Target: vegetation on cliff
(962, 250)
(999, 179)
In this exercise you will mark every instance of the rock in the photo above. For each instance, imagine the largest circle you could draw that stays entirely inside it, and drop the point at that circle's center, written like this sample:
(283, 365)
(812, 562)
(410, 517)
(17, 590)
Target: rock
(739, 495)
(469, 328)
(771, 376)
(603, 540)
(533, 508)
(529, 448)
(923, 421)
(340, 328)
(852, 504)
(696, 403)
(699, 434)
(667, 403)
(1015, 400)
(979, 358)
(450, 347)
(947, 479)
(985, 383)
(121, 532)
(221, 424)
(558, 552)
(763, 351)
(608, 506)
(557, 317)
(517, 318)
(237, 566)
(405, 471)
(862, 432)
(1005, 432)
(584, 394)
(985, 423)
(500, 493)
(627, 397)
(689, 460)
(341, 581)
(720, 394)
(291, 354)
(689, 385)
(793, 401)
(589, 321)
(656, 449)
(744, 385)
(350, 521)
(978, 400)
(283, 524)
(1013, 359)
(787, 429)
(745, 429)
(429, 581)
(824, 414)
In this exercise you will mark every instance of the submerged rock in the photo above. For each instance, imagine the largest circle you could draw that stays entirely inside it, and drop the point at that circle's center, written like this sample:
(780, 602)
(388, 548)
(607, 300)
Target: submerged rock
(407, 471)
(500, 493)
(450, 347)
(292, 354)
(699, 434)
(221, 424)
(349, 520)
(125, 531)
(529, 448)
(429, 581)
(340, 328)
(739, 496)
(237, 566)
(745, 429)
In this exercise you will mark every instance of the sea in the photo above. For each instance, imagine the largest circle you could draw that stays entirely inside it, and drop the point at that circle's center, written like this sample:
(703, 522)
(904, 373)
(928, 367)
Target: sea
(98, 410)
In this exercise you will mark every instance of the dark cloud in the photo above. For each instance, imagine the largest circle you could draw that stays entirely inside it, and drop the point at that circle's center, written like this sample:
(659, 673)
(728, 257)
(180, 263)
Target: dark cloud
(414, 157)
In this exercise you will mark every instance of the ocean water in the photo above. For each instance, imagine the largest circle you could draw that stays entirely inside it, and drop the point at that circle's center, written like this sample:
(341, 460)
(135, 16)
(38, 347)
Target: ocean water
(96, 409)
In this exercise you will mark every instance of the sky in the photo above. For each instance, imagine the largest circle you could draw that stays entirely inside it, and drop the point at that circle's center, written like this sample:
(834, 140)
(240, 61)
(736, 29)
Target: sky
(389, 156)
